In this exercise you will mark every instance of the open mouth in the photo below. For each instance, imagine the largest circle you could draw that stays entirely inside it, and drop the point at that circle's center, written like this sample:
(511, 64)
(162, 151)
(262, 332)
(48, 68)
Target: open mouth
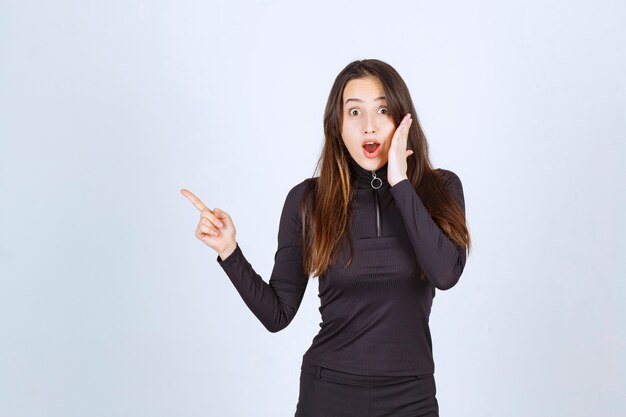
(371, 148)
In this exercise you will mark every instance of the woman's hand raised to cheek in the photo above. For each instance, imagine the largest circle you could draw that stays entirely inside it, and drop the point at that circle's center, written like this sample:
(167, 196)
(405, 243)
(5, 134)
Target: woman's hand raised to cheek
(215, 228)
(396, 170)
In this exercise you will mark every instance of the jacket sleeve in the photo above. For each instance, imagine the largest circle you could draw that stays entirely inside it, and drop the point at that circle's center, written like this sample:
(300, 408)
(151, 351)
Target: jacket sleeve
(274, 304)
(441, 259)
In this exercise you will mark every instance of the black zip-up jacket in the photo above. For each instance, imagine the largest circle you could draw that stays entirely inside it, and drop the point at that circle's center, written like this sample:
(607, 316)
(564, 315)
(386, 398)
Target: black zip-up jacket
(374, 312)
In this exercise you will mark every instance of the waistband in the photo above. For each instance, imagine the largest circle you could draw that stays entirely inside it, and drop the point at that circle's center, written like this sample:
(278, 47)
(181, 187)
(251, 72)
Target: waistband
(321, 372)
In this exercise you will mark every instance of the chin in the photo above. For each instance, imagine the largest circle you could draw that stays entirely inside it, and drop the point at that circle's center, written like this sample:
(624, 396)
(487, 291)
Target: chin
(372, 164)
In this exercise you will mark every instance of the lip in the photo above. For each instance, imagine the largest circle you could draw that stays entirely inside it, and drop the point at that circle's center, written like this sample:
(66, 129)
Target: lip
(376, 152)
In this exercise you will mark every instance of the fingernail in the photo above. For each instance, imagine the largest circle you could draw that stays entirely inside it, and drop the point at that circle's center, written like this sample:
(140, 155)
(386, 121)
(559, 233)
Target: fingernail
(220, 224)
(215, 233)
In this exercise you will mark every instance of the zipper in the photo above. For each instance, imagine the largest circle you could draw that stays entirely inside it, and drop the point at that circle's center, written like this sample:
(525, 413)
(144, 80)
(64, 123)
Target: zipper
(376, 184)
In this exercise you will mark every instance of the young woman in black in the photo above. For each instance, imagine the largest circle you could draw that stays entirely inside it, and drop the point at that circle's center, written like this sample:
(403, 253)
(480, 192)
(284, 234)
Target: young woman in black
(382, 230)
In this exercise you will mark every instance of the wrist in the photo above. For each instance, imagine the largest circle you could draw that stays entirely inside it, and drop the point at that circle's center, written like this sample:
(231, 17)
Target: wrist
(226, 252)
(396, 181)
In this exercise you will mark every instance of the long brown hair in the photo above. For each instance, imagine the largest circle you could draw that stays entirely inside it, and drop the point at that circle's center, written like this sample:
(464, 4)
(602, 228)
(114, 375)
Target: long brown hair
(329, 195)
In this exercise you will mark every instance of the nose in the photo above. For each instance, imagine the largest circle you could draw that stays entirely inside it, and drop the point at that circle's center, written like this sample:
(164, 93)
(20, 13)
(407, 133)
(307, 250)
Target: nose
(369, 125)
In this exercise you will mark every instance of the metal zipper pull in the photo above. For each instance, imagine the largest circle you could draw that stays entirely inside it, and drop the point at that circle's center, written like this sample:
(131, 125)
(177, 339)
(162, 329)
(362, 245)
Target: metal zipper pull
(376, 180)
(376, 184)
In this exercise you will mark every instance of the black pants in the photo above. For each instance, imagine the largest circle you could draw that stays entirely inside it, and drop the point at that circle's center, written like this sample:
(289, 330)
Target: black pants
(328, 393)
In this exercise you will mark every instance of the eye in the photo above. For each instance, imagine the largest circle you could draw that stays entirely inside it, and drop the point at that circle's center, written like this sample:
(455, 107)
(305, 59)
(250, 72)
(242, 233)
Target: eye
(383, 110)
(354, 112)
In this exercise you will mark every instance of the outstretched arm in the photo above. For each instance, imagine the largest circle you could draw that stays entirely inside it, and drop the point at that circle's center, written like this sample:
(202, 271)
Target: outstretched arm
(275, 303)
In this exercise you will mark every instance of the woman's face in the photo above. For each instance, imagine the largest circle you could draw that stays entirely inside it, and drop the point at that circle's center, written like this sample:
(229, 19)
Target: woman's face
(367, 128)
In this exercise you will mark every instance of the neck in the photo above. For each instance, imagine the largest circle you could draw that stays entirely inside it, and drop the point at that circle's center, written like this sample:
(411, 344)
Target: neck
(363, 177)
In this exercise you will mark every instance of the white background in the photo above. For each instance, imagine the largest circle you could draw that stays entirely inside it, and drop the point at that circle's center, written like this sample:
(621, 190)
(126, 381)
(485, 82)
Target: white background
(109, 306)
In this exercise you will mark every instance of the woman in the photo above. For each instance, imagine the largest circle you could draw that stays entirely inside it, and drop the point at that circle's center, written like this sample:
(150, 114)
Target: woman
(382, 230)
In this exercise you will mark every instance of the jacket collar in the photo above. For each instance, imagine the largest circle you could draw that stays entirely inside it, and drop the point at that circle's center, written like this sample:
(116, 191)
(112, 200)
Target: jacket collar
(364, 177)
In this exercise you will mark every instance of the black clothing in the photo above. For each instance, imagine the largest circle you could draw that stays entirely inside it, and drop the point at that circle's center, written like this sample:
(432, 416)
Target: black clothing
(374, 312)
(324, 392)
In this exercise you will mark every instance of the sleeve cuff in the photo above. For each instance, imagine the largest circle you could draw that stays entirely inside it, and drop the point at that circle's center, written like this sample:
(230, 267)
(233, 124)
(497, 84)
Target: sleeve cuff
(400, 185)
(232, 258)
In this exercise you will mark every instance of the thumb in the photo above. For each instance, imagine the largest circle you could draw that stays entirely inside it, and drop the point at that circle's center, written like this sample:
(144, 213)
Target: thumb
(220, 213)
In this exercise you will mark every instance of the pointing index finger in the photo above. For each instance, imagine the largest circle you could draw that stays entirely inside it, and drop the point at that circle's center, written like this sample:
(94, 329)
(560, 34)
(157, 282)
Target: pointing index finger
(194, 200)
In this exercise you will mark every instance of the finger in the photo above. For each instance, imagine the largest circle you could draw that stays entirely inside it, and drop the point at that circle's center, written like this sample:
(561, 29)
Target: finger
(407, 122)
(210, 215)
(194, 200)
(405, 132)
(221, 214)
(200, 235)
(208, 229)
(212, 221)
(400, 136)
(405, 119)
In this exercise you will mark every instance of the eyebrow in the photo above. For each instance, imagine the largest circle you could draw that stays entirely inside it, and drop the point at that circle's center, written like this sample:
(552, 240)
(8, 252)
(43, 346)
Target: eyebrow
(358, 100)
